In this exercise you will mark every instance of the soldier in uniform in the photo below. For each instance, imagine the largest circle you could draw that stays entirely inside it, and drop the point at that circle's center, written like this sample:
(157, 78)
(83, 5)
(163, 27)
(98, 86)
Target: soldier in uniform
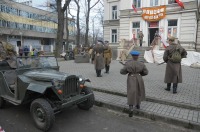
(107, 57)
(7, 54)
(140, 35)
(173, 72)
(135, 83)
(97, 57)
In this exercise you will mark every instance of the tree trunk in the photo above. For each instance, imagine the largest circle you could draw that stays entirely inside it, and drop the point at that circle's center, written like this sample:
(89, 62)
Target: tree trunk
(78, 23)
(67, 32)
(87, 24)
(59, 41)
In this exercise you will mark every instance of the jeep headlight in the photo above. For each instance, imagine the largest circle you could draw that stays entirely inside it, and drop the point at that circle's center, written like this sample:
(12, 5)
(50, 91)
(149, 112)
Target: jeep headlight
(80, 79)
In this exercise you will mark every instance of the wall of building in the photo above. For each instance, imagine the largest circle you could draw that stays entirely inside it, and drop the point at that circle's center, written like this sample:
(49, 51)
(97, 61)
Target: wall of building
(186, 21)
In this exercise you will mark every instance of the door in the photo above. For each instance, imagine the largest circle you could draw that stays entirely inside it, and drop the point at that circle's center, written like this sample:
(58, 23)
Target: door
(152, 32)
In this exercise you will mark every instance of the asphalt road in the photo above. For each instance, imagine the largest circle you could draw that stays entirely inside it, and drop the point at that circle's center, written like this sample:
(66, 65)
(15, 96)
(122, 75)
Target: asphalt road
(17, 119)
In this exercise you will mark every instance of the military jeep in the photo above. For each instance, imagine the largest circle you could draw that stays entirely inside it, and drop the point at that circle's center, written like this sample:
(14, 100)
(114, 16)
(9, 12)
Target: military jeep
(38, 82)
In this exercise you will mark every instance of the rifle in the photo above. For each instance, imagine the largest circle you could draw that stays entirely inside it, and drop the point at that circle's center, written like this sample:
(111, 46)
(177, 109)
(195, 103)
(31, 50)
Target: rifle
(161, 63)
(122, 63)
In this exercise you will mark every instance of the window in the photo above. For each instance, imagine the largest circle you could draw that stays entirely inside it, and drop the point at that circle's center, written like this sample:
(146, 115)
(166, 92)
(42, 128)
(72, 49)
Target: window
(153, 2)
(137, 3)
(172, 28)
(135, 29)
(171, 1)
(114, 12)
(114, 35)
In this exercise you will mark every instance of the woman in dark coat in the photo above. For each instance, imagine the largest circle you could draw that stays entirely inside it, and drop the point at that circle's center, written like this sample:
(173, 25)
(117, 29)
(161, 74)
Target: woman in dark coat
(135, 83)
(173, 72)
(97, 57)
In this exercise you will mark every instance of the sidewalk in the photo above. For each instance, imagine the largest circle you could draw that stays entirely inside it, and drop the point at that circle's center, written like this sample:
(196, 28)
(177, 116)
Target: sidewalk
(182, 107)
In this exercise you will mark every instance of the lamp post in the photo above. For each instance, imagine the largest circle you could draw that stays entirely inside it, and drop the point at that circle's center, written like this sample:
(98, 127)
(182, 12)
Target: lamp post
(21, 38)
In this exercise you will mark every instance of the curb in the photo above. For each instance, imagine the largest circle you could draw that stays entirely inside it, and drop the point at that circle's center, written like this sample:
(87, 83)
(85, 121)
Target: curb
(141, 113)
(150, 99)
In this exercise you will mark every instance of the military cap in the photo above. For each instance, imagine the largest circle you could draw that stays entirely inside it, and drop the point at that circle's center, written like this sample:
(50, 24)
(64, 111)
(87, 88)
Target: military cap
(135, 53)
(171, 38)
(100, 42)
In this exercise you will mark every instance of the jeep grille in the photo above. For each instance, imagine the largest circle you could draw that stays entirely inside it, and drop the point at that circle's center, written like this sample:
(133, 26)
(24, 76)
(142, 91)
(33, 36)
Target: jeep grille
(70, 86)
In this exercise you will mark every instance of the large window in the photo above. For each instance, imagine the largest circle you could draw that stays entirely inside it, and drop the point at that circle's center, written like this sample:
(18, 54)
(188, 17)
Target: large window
(153, 2)
(137, 3)
(135, 29)
(114, 12)
(171, 1)
(172, 28)
(114, 35)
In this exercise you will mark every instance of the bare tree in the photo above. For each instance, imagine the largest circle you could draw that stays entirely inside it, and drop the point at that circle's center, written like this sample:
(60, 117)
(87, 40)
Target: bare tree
(78, 22)
(88, 9)
(60, 32)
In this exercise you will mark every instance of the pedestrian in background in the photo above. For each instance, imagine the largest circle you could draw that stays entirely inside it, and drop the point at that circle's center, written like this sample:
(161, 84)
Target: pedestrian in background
(107, 57)
(97, 57)
(173, 72)
(26, 50)
(21, 51)
(135, 83)
(140, 36)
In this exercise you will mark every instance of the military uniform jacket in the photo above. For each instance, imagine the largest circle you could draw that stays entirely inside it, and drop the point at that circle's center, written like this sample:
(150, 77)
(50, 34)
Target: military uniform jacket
(107, 56)
(173, 72)
(135, 83)
(97, 56)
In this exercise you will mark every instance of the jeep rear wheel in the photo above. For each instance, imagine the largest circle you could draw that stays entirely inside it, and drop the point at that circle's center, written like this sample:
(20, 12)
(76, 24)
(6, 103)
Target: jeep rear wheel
(86, 105)
(2, 102)
(42, 114)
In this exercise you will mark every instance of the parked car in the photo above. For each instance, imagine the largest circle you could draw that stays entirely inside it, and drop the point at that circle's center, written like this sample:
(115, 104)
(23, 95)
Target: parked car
(38, 82)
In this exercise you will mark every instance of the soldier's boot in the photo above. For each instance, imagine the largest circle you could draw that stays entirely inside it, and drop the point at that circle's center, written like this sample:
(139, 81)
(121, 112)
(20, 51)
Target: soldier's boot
(108, 67)
(130, 110)
(174, 88)
(168, 87)
(137, 106)
(99, 73)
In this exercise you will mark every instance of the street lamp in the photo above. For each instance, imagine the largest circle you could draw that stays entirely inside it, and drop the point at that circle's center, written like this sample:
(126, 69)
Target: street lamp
(21, 38)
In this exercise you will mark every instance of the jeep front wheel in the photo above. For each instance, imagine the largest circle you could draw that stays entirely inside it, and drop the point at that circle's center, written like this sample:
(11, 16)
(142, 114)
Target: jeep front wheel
(86, 105)
(42, 114)
(2, 102)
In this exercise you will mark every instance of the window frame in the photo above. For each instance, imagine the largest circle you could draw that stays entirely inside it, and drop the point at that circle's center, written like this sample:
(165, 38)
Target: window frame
(137, 3)
(172, 28)
(136, 29)
(154, 1)
(114, 13)
(114, 36)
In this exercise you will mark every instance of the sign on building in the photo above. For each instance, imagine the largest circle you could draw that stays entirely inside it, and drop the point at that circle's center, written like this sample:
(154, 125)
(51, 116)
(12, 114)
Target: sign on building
(153, 13)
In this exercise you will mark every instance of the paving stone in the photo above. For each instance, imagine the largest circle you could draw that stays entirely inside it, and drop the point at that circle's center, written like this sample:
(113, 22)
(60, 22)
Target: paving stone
(188, 91)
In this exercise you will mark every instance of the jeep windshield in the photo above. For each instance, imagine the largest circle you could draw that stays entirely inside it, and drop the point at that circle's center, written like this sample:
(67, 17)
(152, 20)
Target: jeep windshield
(37, 62)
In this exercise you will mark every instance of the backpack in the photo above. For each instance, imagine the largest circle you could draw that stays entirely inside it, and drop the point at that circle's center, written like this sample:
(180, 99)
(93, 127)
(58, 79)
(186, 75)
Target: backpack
(176, 56)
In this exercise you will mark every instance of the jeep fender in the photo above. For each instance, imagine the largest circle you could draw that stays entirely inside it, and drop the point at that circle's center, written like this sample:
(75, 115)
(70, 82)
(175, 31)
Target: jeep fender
(39, 88)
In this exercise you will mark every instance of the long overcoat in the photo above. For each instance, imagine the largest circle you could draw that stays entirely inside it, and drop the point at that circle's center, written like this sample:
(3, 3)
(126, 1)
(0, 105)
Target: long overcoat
(107, 55)
(98, 51)
(173, 72)
(135, 83)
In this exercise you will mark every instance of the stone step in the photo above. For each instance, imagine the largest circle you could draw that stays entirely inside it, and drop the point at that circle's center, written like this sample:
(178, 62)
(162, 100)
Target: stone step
(155, 100)
(155, 111)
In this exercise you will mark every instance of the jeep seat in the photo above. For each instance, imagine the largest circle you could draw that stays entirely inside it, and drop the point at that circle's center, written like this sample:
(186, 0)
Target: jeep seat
(11, 78)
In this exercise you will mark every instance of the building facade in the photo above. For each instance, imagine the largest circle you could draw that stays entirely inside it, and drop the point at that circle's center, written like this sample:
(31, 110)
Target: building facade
(32, 26)
(168, 18)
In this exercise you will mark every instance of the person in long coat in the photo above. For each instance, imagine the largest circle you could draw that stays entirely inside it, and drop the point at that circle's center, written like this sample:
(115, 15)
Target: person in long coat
(97, 57)
(173, 72)
(135, 83)
(107, 57)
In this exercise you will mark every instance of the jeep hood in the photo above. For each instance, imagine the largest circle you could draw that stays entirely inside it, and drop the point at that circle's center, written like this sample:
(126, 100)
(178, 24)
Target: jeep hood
(46, 75)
